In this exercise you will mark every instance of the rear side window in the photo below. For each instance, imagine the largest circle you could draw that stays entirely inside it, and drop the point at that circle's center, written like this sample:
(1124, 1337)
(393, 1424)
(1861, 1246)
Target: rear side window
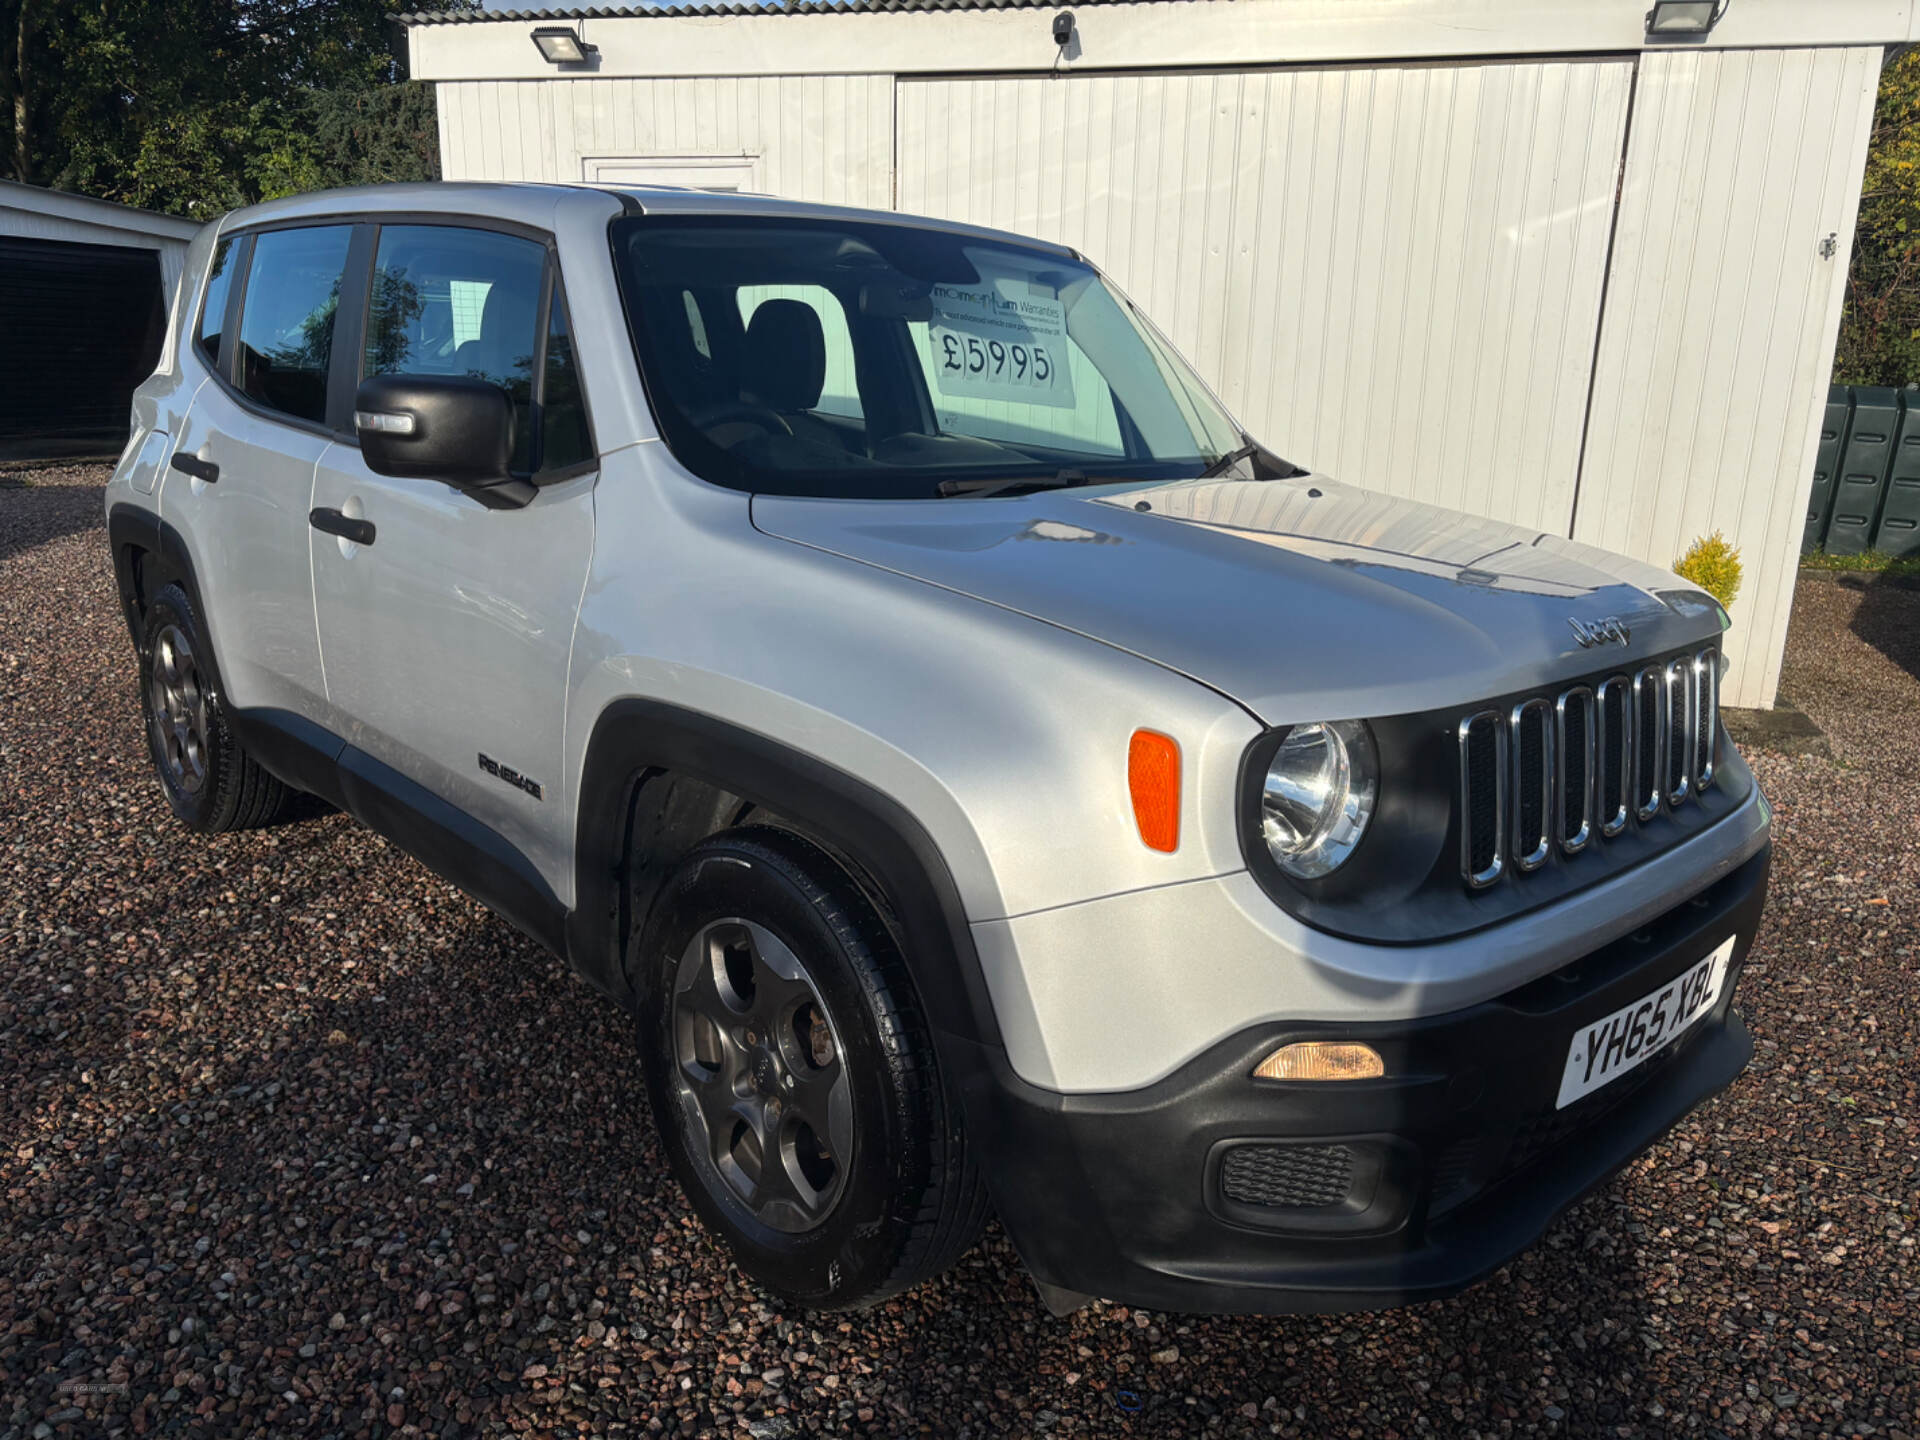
(448, 301)
(286, 320)
(213, 311)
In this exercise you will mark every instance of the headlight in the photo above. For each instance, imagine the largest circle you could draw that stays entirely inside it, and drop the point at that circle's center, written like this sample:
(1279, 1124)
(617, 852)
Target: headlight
(1318, 797)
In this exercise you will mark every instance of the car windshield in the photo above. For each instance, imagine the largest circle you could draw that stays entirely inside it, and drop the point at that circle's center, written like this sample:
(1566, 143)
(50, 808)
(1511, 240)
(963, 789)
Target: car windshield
(887, 360)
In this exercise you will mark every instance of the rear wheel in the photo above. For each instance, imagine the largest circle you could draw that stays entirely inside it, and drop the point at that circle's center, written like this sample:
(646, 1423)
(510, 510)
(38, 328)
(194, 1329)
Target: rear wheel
(210, 780)
(793, 1078)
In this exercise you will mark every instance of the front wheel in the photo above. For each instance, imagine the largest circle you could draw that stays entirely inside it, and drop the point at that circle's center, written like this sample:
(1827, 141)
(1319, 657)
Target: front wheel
(793, 1078)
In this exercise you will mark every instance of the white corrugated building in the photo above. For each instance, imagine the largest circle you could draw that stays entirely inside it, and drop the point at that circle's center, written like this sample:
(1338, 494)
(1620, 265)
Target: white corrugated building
(85, 285)
(1542, 260)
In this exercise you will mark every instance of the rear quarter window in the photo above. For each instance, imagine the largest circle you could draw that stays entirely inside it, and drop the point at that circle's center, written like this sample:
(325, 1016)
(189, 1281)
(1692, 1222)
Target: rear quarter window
(213, 310)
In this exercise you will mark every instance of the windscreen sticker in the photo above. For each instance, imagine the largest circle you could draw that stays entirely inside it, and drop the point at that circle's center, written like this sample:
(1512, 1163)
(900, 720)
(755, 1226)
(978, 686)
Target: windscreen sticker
(1004, 341)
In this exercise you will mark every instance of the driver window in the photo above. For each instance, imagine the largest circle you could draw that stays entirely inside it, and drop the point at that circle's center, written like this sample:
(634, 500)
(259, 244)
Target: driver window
(448, 301)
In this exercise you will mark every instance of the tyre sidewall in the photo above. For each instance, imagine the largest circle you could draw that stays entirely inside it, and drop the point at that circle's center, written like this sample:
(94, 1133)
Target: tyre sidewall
(855, 1250)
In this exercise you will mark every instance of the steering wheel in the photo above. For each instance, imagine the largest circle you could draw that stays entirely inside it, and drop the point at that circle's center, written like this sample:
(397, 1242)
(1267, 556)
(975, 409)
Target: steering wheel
(740, 412)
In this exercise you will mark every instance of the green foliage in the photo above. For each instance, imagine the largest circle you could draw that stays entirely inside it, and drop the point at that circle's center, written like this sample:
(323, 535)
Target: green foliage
(1880, 326)
(1713, 565)
(196, 106)
(1867, 562)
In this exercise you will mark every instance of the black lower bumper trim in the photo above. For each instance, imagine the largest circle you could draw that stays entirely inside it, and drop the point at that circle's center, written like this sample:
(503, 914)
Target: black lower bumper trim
(1459, 1155)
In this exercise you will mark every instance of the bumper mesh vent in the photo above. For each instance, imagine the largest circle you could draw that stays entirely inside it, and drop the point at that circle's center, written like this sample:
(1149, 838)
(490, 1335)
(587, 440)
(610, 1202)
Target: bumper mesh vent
(1293, 1177)
(1557, 772)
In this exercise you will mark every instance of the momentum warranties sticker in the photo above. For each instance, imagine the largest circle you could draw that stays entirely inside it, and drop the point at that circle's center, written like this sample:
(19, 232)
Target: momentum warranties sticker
(1004, 341)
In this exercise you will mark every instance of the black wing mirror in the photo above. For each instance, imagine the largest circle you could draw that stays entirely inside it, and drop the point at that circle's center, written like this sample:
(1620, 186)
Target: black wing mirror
(450, 428)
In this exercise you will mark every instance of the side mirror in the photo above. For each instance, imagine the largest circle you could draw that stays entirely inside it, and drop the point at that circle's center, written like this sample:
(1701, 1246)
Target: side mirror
(450, 428)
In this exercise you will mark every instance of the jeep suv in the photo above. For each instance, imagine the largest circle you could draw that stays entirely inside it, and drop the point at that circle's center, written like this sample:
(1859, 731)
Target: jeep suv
(861, 647)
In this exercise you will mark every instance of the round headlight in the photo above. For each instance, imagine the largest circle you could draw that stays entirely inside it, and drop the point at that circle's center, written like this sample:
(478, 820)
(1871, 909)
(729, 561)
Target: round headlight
(1318, 797)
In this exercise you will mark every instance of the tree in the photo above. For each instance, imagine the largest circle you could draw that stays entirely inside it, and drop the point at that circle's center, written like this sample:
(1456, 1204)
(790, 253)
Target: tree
(1880, 324)
(195, 106)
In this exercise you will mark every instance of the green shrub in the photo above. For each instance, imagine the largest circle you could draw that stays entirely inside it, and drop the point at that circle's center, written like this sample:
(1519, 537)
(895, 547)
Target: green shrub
(1713, 565)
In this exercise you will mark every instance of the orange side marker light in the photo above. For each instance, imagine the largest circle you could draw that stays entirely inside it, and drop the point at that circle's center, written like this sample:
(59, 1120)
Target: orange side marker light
(1153, 775)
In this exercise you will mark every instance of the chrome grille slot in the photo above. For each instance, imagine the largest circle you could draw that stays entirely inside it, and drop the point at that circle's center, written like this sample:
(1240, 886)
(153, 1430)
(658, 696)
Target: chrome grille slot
(1613, 777)
(1483, 798)
(1581, 766)
(1649, 742)
(1706, 689)
(1678, 681)
(1532, 722)
(1573, 714)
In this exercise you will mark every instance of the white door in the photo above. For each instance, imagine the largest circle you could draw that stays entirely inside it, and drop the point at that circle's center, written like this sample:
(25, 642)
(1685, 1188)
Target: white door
(1729, 269)
(1392, 274)
(727, 173)
(447, 637)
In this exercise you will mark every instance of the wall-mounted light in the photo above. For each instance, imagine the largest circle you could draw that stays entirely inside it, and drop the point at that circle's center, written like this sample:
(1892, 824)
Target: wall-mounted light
(562, 45)
(1678, 18)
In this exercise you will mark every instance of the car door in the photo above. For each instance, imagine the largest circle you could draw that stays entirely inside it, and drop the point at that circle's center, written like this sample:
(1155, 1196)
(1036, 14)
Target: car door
(447, 638)
(239, 480)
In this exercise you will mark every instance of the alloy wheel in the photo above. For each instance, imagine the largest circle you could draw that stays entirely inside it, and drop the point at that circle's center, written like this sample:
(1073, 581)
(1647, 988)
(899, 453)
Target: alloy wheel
(761, 1077)
(177, 709)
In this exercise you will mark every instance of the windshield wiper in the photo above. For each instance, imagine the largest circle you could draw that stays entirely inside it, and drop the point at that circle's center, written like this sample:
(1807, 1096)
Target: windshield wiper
(981, 489)
(1252, 450)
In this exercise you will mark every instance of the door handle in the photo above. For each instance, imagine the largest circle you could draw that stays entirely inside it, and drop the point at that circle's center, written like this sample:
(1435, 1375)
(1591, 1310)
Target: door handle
(193, 465)
(360, 532)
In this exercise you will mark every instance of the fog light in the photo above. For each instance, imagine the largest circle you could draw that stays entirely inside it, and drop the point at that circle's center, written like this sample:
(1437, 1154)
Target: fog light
(1322, 1060)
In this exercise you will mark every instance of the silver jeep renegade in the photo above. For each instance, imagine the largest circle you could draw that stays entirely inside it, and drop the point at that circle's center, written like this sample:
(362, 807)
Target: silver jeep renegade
(862, 647)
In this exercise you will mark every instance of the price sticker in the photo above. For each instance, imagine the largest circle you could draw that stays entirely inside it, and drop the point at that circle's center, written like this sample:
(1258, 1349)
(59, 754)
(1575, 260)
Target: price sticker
(1004, 341)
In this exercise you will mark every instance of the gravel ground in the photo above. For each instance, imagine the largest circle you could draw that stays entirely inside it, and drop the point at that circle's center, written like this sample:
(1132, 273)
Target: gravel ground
(294, 1138)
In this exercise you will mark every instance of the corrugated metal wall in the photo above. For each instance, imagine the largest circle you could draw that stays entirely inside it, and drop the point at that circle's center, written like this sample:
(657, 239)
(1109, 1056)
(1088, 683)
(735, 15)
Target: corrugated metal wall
(817, 137)
(1721, 315)
(1392, 274)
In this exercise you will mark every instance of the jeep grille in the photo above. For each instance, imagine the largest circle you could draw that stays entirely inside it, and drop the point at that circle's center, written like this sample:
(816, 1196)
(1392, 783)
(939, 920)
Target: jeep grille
(1558, 773)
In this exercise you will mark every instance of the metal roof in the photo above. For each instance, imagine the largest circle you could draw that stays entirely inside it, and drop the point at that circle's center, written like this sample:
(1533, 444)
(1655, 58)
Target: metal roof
(748, 7)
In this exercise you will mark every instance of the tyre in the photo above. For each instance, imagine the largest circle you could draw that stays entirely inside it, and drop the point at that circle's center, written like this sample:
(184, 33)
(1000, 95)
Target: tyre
(210, 781)
(793, 1077)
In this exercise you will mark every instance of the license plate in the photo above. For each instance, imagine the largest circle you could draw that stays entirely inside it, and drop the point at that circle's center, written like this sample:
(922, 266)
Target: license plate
(1608, 1048)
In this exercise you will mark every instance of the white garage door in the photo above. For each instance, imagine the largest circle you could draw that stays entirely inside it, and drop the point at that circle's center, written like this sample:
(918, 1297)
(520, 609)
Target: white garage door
(1391, 274)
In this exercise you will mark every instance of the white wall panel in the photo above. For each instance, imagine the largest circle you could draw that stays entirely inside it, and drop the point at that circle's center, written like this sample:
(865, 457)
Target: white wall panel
(1721, 318)
(815, 137)
(1392, 274)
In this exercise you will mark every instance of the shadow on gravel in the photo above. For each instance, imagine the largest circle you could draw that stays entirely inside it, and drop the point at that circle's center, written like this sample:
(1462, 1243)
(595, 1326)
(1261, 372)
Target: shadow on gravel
(32, 514)
(436, 1200)
(453, 1165)
(1888, 618)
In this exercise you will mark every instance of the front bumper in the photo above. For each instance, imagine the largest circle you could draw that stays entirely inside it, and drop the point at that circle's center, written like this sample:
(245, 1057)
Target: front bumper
(1457, 1159)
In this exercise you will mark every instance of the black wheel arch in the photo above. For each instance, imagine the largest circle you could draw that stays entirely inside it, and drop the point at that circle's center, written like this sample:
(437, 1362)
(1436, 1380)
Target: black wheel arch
(149, 555)
(637, 743)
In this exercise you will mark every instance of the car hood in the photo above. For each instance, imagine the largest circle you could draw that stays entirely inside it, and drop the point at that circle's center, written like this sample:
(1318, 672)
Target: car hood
(1302, 599)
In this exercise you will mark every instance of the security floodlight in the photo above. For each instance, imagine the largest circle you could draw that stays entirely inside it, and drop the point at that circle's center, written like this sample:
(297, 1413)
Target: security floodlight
(1681, 17)
(562, 45)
